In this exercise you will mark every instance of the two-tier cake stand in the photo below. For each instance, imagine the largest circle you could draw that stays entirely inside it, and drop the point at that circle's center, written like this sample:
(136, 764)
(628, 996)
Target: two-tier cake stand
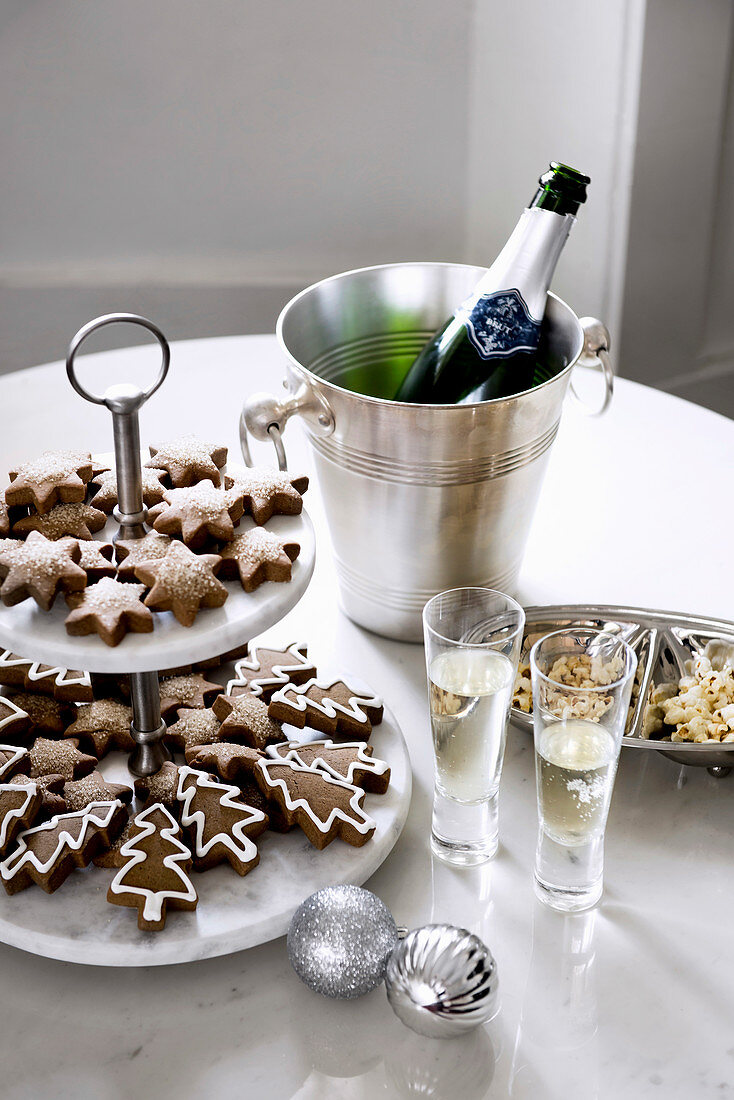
(236, 913)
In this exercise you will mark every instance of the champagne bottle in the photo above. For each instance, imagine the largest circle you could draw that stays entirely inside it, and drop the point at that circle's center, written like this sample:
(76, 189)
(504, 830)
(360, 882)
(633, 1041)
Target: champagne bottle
(488, 348)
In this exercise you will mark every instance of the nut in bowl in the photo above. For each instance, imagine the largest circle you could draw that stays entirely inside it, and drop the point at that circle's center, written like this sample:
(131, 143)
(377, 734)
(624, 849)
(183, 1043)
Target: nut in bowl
(683, 696)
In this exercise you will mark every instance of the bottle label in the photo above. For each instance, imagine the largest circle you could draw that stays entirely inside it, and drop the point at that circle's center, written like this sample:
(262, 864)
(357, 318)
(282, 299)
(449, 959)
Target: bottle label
(499, 324)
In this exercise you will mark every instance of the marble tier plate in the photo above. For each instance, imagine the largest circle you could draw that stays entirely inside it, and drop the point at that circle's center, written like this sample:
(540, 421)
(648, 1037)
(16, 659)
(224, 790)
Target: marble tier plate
(78, 924)
(27, 629)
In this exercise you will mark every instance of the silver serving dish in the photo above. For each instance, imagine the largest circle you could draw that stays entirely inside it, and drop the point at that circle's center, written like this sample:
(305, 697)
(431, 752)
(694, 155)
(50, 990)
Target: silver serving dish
(663, 641)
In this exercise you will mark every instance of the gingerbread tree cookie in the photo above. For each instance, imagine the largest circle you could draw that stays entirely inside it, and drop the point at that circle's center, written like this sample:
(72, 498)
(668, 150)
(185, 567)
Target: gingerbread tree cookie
(191, 690)
(322, 806)
(131, 551)
(60, 758)
(265, 670)
(350, 761)
(188, 460)
(77, 521)
(155, 874)
(14, 760)
(105, 497)
(67, 685)
(198, 513)
(245, 718)
(109, 609)
(103, 724)
(19, 806)
(54, 476)
(269, 492)
(329, 706)
(182, 582)
(256, 556)
(14, 721)
(48, 853)
(111, 856)
(218, 823)
(39, 569)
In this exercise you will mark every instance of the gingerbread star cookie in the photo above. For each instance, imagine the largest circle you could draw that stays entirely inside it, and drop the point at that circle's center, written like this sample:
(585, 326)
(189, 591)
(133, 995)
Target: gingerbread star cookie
(131, 551)
(39, 569)
(269, 492)
(264, 670)
(111, 856)
(54, 476)
(198, 513)
(193, 728)
(51, 788)
(328, 706)
(96, 559)
(79, 793)
(322, 806)
(155, 874)
(77, 521)
(104, 725)
(105, 497)
(19, 806)
(189, 690)
(109, 609)
(60, 758)
(245, 718)
(161, 787)
(229, 761)
(182, 582)
(218, 824)
(48, 853)
(350, 761)
(43, 715)
(187, 460)
(4, 517)
(255, 556)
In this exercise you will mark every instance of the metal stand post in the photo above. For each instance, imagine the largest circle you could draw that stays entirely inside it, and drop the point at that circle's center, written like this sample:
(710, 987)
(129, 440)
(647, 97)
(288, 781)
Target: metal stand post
(124, 402)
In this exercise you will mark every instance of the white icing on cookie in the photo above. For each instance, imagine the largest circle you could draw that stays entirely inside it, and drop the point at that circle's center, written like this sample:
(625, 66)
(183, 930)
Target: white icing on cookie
(297, 698)
(154, 899)
(362, 763)
(357, 817)
(96, 813)
(29, 790)
(231, 798)
(15, 712)
(280, 672)
(16, 754)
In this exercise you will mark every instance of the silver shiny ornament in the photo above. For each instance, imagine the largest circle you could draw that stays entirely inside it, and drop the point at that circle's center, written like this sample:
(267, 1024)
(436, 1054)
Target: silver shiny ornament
(339, 941)
(442, 981)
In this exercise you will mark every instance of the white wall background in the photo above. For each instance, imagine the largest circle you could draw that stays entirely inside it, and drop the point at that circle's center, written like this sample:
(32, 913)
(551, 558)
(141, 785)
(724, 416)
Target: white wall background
(200, 162)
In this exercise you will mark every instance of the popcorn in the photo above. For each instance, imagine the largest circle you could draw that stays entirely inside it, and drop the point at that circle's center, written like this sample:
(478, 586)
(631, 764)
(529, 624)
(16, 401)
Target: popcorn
(700, 706)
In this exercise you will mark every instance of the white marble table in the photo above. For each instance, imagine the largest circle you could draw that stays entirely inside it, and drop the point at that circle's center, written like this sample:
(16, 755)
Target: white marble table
(631, 1000)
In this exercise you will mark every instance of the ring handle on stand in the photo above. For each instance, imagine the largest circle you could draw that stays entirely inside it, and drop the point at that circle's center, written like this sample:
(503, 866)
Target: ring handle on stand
(595, 354)
(109, 399)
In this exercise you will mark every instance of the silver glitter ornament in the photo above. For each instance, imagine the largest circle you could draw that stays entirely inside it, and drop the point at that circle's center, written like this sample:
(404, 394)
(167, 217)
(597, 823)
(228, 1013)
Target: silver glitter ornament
(442, 981)
(339, 941)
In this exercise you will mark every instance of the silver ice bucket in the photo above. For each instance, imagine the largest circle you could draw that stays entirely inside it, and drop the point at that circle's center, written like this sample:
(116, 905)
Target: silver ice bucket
(419, 498)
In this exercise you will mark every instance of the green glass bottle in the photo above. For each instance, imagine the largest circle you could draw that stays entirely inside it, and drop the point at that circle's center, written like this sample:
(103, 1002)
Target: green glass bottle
(488, 348)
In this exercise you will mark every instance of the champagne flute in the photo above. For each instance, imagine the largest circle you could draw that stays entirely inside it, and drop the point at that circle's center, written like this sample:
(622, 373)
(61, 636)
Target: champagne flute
(473, 638)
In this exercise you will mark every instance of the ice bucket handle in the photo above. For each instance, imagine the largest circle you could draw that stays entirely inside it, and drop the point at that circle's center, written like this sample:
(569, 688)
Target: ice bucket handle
(595, 354)
(264, 417)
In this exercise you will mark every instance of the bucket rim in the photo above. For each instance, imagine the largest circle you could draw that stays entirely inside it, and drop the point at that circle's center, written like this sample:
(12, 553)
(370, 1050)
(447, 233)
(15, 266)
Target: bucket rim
(362, 397)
